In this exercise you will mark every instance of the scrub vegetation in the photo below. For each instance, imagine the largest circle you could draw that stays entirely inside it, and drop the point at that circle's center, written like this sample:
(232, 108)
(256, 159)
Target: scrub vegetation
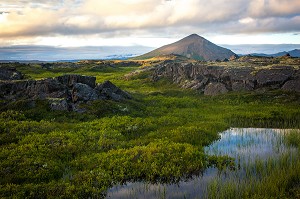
(158, 136)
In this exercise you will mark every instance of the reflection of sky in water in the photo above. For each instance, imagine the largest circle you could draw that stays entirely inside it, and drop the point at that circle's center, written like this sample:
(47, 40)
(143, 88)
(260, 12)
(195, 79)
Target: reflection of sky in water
(244, 144)
(249, 144)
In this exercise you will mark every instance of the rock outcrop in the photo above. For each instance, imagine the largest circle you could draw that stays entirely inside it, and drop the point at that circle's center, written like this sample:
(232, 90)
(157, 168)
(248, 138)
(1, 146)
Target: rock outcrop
(292, 85)
(58, 104)
(63, 92)
(215, 88)
(108, 90)
(10, 73)
(213, 80)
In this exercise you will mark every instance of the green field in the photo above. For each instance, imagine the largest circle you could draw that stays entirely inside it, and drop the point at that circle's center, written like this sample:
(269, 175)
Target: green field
(158, 136)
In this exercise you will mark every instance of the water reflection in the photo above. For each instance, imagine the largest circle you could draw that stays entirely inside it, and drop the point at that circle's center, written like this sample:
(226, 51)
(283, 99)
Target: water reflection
(249, 146)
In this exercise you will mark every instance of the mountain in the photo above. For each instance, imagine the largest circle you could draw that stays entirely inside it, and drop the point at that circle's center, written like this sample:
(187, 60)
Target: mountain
(292, 53)
(192, 46)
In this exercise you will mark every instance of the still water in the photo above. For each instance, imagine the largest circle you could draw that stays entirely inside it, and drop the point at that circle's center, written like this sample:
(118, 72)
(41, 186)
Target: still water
(248, 146)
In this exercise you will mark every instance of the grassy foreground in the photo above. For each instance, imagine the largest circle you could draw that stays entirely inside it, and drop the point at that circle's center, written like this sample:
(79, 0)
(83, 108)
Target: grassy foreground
(157, 136)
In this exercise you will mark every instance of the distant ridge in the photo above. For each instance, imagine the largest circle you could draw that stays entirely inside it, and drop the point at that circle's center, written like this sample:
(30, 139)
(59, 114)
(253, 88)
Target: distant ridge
(192, 46)
(292, 53)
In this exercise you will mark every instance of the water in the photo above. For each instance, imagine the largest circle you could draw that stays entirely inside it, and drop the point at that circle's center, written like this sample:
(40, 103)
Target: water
(249, 146)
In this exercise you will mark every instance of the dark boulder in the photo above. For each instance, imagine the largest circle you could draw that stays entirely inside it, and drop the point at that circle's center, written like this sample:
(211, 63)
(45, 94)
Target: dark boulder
(47, 88)
(10, 73)
(108, 90)
(273, 76)
(76, 107)
(215, 88)
(83, 92)
(64, 93)
(59, 104)
(11, 90)
(70, 80)
(243, 86)
(292, 85)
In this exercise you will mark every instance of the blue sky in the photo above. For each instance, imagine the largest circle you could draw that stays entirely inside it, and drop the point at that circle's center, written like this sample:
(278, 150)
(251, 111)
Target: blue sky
(69, 23)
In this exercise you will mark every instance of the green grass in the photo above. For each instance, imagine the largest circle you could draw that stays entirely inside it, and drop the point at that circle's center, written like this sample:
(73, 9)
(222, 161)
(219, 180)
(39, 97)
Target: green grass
(157, 136)
(278, 178)
(293, 138)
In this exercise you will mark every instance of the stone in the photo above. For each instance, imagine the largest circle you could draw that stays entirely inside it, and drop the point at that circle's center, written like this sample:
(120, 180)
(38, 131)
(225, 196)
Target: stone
(107, 85)
(197, 75)
(292, 85)
(58, 104)
(238, 86)
(242, 86)
(14, 89)
(10, 73)
(189, 84)
(77, 108)
(83, 92)
(47, 88)
(108, 90)
(116, 97)
(68, 91)
(215, 88)
(70, 80)
(201, 85)
(268, 77)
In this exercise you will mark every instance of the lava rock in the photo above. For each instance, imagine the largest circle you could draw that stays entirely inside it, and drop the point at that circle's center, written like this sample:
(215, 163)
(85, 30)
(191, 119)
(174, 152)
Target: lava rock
(83, 92)
(215, 88)
(70, 80)
(47, 88)
(292, 85)
(197, 76)
(68, 91)
(108, 90)
(268, 77)
(10, 73)
(58, 104)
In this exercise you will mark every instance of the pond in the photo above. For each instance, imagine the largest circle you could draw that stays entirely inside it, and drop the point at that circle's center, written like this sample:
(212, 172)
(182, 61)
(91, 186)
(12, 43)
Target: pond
(255, 150)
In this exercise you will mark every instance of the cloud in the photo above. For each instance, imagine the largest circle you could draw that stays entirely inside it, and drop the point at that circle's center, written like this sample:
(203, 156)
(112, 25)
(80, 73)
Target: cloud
(35, 18)
(274, 8)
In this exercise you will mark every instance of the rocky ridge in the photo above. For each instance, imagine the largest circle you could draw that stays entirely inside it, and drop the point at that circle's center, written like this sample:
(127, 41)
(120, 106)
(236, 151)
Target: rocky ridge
(214, 80)
(65, 92)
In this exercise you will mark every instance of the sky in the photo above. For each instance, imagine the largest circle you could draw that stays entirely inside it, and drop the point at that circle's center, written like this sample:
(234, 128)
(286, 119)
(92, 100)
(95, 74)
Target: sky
(67, 23)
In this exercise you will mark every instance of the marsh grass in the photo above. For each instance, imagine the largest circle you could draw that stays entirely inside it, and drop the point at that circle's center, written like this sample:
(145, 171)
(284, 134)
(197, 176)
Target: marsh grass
(293, 138)
(277, 176)
(265, 167)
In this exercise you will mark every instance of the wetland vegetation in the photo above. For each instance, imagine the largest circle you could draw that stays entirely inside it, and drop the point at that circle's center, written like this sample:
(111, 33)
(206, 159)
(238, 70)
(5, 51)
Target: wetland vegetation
(258, 154)
(157, 137)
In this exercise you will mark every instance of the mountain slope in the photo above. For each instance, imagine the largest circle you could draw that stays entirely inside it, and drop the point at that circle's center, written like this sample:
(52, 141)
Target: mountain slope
(293, 53)
(192, 46)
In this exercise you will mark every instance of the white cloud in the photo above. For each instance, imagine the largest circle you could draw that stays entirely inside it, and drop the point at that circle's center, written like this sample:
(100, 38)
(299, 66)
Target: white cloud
(125, 18)
(273, 8)
(246, 20)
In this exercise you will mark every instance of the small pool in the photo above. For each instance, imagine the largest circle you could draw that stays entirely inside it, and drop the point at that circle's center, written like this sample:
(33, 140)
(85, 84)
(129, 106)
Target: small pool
(254, 150)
